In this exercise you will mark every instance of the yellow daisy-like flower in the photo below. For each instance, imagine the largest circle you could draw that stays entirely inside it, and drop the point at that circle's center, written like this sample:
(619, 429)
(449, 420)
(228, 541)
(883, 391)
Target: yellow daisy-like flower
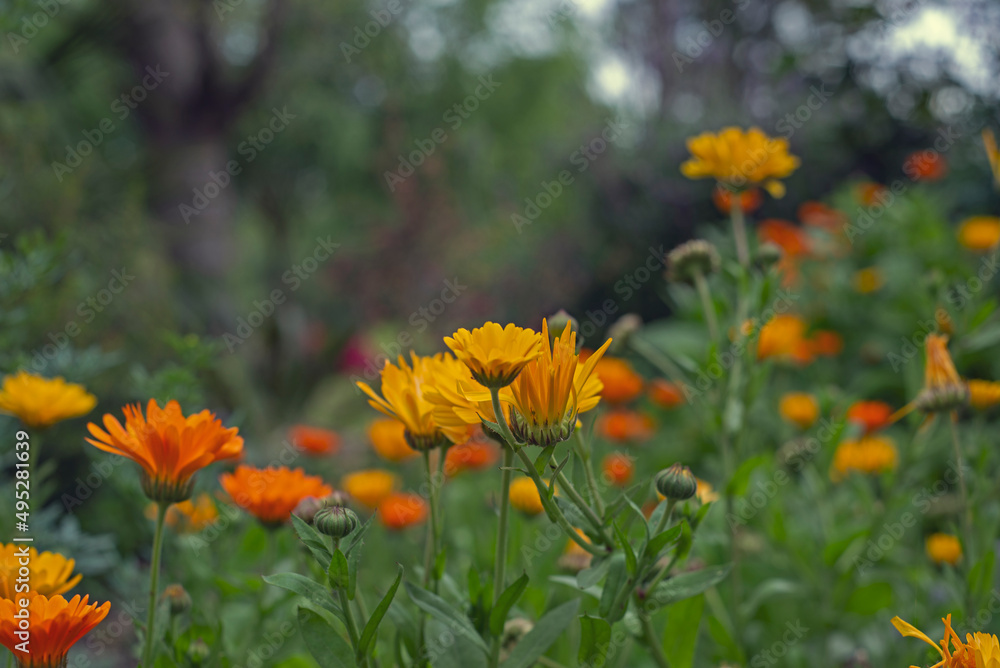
(983, 394)
(980, 233)
(870, 454)
(980, 650)
(525, 497)
(739, 159)
(459, 399)
(553, 390)
(191, 516)
(50, 573)
(41, 402)
(495, 355)
(799, 408)
(370, 487)
(404, 397)
(388, 438)
(943, 548)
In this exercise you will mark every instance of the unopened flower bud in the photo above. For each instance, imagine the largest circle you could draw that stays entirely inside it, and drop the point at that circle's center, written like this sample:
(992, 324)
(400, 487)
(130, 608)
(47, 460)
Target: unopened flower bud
(692, 258)
(337, 499)
(621, 330)
(307, 508)
(558, 321)
(198, 652)
(336, 521)
(768, 253)
(676, 483)
(177, 598)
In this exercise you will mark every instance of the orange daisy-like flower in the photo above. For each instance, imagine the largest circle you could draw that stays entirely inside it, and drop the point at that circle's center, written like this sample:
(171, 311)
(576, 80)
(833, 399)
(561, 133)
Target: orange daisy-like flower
(271, 494)
(191, 516)
(819, 215)
(980, 234)
(943, 548)
(473, 455)
(54, 626)
(784, 337)
(524, 496)
(870, 454)
(388, 439)
(789, 237)
(799, 408)
(665, 394)
(495, 355)
(50, 573)
(826, 343)
(618, 468)
(370, 487)
(168, 446)
(621, 383)
(401, 510)
(313, 440)
(739, 158)
(928, 165)
(750, 199)
(622, 425)
(980, 650)
(871, 415)
(41, 402)
(871, 193)
(983, 394)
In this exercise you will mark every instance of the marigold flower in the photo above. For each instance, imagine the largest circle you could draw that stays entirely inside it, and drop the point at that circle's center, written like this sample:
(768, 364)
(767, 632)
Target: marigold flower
(50, 572)
(868, 280)
(871, 193)
(983, 394)
(943, 548)
(370, 487)
(574, 557)
(750, 199)
(41, 402)
(525, 497)
(799, 408)
(817, 214)
(705, 492)
(54, 626)
(495, 355)
(191, 516)
(553, 390)
(870, 454)
(791, 238)
(665, 394)
(621, 383)
(169, 447)
(872, 415)
(622, 425)
(784, 337)
(927, 165)
(618, 468)
(388, 439)
(399, 510)
(473, 455)
(980, 233)
(271, 494)
(826, 343)
(313, 440)
(981, 650)
(739, 159)
(404, 397)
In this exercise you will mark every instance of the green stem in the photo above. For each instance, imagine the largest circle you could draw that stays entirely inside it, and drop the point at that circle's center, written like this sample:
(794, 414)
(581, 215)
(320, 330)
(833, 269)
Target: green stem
(705, 295)
(154, 580)
(595, 521)
(433, 532)
(583, 450)
(352, 626)
(655, 648)
(658, 359)
(500, 563)
(739, 230)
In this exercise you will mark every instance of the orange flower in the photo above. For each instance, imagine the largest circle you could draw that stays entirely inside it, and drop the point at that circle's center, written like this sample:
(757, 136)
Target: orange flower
(574, 557)
(191, 516)
(872, 415)
(313, 440)
(817, 214)
(618, 468)
(473, 455)
(370, 487)
(783, 337)
(169, 447)
(980, 234)
(983, 394)
(622, 425)
(799, 408)
(54, 626)
(789, 237)
(524, 496)
(870, 454)
(926, 165)
(621, 383)
(826, 343)
(50, 572)
(665, 394)
(271, 494)
(868, 280)
(750, 199)
(388, 438)
(871, 193)
(943, 548)
(981, 650)
(399, 510)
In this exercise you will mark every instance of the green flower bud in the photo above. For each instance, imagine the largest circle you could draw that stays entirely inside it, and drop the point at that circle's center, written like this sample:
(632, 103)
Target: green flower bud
(690, 258)
(768, 254)
(676, 483)
(336, 521)
(198, 652)
(621, 330)
(307, 508)
(177, 599)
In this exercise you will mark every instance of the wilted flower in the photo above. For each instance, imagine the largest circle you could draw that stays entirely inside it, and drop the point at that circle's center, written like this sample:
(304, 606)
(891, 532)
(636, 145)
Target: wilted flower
(41, 402)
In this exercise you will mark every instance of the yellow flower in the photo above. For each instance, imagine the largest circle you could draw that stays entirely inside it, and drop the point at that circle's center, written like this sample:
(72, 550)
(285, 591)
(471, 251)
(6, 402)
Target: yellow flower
(404, 397)
(868, 280)
(705, 492)
(525, 497)
(799, 408)
(41, 402)
(495, 355)
(388, 438)
(552, 390)
(784, 337)
(943, 548)
(191, 516)
(370, 487)
(992, 153)
(981, 650)
(983, 393)
(870, 454)
(980, 233)
(739, 159)
(50, 572)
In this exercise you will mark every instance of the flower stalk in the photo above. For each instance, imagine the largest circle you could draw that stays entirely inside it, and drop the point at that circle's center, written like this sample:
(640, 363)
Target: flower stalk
(148, 653)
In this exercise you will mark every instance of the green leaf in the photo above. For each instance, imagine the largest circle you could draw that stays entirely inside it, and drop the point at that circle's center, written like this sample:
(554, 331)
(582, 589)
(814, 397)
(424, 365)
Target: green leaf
(589, 577)
(662, 540)
(353, 563)
(313, 540)
(314, 592)
(546, 631)
(371, 627)
(767, 589)
(681, 635)
(595, 640)
(438, 608)
(687, 585)
(617, 579)
(325, 644)
(741, 479)
(630, 561)
(357, 536)
(339, 572)
(506, 601)
(870, 599)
